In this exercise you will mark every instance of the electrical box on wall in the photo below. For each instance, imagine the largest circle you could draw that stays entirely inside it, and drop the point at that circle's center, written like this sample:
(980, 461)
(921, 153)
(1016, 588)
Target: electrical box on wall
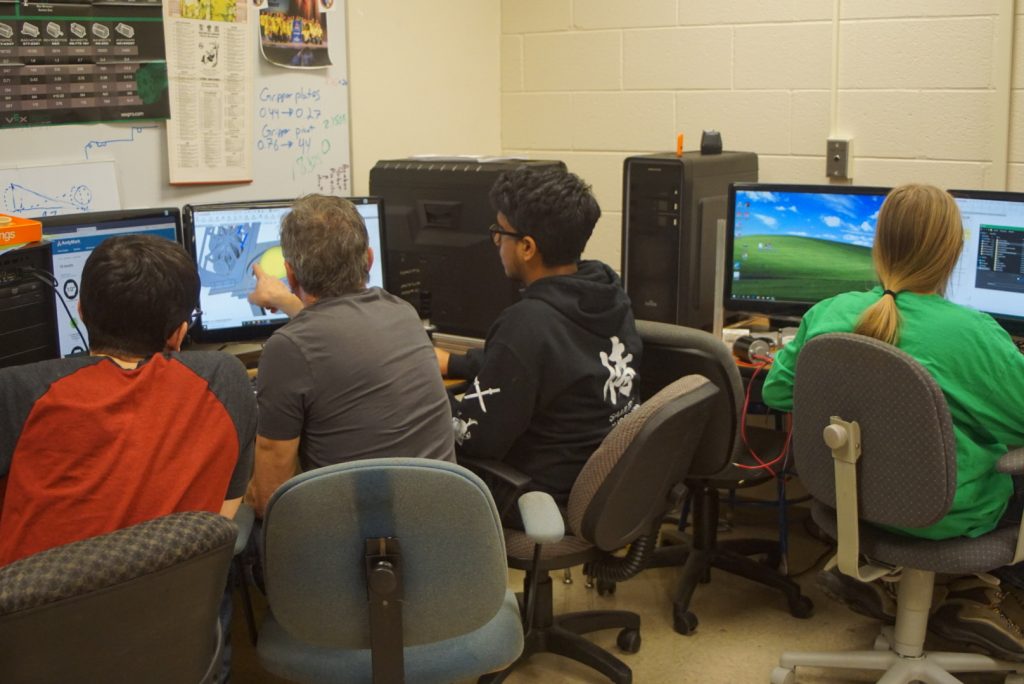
(838, 159)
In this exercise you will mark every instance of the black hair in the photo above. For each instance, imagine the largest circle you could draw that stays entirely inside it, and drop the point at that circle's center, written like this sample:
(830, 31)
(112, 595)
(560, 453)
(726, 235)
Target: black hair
(554, 207)
(136, 289)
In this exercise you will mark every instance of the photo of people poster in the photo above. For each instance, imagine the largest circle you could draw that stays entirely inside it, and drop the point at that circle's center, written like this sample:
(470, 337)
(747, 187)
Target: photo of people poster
(81, 62)
(293, 33)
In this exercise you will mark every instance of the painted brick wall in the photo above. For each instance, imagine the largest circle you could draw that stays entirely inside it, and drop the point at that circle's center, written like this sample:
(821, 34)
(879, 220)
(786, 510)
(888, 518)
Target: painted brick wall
(593, 81)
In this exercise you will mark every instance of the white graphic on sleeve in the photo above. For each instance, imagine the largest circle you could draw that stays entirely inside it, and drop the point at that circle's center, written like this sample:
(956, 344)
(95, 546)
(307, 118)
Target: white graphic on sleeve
(480, 394)
(461, 428)
(620, 375)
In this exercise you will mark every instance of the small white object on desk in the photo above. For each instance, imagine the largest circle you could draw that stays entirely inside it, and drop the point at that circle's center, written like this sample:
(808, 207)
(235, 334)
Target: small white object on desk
(730, 335)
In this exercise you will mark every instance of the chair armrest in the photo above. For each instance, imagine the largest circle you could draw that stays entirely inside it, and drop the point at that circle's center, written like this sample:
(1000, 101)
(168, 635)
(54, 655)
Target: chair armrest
(497, 469)
(542, 520)
(244, 518)
(1011, 462)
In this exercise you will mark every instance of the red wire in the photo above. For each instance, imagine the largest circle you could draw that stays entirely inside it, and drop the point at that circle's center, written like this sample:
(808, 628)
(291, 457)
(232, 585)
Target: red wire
(762, 465)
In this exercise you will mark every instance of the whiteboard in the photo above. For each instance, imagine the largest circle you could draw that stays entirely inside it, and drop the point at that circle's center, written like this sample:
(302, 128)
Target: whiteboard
(305, 107)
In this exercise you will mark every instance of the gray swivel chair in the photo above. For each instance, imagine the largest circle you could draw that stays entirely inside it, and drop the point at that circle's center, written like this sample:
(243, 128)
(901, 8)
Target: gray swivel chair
(874, 445)
(385, 570)
(670, 352)
(136, 605)
(618, 500)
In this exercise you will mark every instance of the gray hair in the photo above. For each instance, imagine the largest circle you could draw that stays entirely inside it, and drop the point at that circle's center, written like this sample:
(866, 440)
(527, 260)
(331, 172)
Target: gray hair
(325, 241)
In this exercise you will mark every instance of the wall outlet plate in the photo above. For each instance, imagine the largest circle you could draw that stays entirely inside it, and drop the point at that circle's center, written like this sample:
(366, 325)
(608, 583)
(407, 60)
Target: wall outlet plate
(838, 158)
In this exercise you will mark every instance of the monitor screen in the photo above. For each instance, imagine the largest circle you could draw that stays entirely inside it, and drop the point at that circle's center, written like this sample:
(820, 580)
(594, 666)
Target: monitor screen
(989, 276)
(790, 246)
(74, 236)
(228, 239)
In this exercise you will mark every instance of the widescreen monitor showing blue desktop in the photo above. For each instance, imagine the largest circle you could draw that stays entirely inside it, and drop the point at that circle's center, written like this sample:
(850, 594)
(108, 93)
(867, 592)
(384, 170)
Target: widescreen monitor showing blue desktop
(74, 237)
(790, 246)
(989, 276)
(227, 240)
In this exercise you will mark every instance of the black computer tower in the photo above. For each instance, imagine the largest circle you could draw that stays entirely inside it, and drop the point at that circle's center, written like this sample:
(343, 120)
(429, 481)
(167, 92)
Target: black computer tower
(28, 320)
(440, 257)
(670, 209)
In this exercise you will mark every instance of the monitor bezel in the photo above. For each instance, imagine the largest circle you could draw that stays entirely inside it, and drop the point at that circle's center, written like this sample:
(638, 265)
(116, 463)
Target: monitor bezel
(259, 332)
(779, 308)
(1012, 324)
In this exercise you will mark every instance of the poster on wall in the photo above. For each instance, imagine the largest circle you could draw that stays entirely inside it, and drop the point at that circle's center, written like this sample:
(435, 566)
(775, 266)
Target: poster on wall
(81, 63)
(293, 33)
(209, 59)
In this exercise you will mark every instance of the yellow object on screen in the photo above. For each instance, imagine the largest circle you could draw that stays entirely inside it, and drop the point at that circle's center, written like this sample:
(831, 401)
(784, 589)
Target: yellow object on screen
(272, 262)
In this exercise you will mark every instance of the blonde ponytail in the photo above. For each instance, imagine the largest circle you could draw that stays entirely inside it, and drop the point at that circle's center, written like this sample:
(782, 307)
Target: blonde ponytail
(918, 240)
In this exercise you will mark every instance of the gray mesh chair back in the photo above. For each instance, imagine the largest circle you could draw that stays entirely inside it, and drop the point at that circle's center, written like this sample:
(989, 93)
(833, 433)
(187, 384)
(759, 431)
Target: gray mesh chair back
(457, 613)
(623, 490)
(136, 605)
(673, 351)
(910, 441)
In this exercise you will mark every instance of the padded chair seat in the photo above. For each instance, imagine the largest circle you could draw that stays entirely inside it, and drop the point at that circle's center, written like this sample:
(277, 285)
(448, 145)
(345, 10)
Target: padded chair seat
(567, 553)
(960, 555)
(441, 661)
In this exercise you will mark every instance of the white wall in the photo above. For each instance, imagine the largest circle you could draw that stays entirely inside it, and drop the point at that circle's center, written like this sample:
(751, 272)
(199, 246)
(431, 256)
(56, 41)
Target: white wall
(922, 86)
(423, 79)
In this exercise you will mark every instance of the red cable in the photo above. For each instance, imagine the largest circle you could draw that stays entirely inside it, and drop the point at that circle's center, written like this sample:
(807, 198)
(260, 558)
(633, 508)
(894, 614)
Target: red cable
(762, 465)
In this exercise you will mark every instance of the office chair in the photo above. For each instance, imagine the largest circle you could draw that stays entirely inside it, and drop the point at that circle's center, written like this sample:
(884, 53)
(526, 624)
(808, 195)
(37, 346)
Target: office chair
(671, 351)
(618, 499)
(386, 570)
(893, 463)
(136, 605)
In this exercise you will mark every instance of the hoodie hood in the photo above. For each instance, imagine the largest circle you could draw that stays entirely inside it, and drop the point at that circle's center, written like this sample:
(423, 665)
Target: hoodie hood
(592, 297)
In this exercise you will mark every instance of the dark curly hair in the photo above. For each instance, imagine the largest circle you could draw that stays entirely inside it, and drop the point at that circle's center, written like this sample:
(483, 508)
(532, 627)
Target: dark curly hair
(554, 207)
(136, 289)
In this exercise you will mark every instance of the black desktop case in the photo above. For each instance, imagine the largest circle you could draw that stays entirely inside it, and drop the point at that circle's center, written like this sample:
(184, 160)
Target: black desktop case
(440, 257)
(670, 209)
(28, 320)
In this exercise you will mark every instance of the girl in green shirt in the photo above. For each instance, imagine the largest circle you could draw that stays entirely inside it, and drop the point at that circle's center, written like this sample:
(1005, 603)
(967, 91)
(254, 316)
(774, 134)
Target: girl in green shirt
(918, 240)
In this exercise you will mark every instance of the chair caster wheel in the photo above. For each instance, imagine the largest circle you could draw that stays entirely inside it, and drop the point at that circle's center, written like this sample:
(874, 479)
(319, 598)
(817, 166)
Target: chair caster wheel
(783, 675)
(628, 640)
(684, 622)
(801, 608)
(605, 588)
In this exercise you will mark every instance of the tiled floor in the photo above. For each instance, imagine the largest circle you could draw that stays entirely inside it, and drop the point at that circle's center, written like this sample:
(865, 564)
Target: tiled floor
(743, 628)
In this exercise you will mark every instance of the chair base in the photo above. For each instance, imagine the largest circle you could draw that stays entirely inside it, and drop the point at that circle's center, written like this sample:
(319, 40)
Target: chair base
(704, 551)
(698, 563)
(562, 635)
(931, 668)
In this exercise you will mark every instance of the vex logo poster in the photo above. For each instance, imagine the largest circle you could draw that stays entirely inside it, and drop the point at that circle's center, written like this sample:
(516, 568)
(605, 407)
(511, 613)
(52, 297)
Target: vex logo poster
(81, 62)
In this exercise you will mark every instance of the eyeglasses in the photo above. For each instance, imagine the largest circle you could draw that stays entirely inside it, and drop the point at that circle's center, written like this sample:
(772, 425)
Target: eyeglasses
(194, 317)
(496, 232)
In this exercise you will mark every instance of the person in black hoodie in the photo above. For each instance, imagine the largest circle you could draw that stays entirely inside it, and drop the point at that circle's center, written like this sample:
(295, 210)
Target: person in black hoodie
(558, 368)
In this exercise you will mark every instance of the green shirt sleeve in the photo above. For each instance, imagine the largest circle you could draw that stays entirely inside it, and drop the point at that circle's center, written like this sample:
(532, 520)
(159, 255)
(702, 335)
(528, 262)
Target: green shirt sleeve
(778, 386)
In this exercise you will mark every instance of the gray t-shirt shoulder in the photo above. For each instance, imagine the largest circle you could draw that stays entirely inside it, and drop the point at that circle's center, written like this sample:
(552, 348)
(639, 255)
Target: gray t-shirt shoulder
(354, 377)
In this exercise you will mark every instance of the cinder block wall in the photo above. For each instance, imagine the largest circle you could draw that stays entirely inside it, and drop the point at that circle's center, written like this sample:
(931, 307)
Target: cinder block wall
(929, 90)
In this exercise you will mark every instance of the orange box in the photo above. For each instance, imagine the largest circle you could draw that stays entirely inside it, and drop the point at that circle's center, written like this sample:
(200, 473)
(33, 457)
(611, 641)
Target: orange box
(15, 230)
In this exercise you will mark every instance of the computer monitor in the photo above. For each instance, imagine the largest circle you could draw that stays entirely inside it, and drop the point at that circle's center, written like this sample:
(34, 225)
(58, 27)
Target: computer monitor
(790, 246)
(227, 239)
(989, 276)
(73, 238)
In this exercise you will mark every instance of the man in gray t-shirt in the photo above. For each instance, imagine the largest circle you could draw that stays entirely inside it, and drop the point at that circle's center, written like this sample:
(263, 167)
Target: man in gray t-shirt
(353, 374)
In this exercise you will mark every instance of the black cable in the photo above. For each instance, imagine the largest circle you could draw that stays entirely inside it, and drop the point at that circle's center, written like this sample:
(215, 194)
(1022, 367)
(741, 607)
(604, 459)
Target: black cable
(48, 279)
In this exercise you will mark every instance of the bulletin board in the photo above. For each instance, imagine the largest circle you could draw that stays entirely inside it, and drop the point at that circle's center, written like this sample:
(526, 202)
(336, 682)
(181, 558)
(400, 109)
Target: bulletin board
(302, 145)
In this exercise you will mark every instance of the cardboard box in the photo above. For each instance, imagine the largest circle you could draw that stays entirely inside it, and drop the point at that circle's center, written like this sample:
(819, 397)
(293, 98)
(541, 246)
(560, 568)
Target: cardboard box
(16, 231)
